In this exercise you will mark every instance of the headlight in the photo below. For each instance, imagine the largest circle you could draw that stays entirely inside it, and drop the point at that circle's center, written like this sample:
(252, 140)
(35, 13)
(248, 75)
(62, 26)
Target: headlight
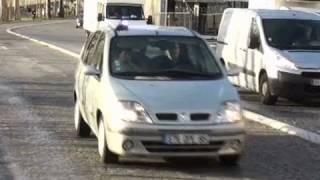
(285, 63)
(133, 112)
(230, 113)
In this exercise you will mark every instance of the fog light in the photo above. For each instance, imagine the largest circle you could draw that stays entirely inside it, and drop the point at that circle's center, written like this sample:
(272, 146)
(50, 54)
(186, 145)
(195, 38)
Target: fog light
(127, 145)
(234, 144)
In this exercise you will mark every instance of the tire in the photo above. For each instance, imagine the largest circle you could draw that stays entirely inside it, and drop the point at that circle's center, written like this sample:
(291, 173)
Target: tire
(230, 160)
(265, 93)
(106, 155)
(82, 129)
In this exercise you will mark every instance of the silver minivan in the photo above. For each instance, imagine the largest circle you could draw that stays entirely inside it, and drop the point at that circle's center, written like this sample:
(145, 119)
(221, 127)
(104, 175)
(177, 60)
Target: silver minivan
(156, 91)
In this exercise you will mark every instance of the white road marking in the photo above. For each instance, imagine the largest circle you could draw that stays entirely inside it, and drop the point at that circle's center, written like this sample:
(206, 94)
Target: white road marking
(3, 48)
(75, 55)
(283, 127)
(278, 125)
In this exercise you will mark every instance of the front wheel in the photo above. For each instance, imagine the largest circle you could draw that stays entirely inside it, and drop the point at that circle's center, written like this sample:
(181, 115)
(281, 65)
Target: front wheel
(265, 91)
(82, 129)
(106, 155)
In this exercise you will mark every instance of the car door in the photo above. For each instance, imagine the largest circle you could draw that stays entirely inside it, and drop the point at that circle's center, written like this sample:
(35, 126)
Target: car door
(80, 76)
(83, 77)
(242, 49)
(254, 58)
(93, 89)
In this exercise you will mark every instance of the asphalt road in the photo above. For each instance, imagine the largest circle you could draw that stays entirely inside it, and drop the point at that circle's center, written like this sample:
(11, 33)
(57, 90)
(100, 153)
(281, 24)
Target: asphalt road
(37, 138)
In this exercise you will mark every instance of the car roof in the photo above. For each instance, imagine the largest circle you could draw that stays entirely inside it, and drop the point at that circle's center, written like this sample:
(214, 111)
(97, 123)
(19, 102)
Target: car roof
(286, 14)
(280, 13)
(151, 30)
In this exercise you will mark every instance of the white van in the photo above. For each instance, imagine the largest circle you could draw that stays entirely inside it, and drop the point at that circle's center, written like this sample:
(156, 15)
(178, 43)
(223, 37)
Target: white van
(278, 50)
(99, 13)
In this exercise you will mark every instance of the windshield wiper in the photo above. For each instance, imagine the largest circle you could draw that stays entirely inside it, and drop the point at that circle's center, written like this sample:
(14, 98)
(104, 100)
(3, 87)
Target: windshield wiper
(184, 73)
(172, 73)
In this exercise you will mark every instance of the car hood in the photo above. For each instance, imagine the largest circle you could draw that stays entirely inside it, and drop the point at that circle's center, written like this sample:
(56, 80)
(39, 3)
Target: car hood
(304, 59)
(116, 22)
(164, 96)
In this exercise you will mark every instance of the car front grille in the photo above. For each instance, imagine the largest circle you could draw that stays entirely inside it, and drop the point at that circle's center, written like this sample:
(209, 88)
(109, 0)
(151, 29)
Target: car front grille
(159, 147)
(200, 117)
(311, 74)
(174, 116)
(312, 89)
(167, 116)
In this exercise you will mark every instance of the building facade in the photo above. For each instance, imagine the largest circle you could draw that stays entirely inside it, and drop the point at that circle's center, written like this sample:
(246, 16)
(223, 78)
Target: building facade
(16, 9)
(203, 16)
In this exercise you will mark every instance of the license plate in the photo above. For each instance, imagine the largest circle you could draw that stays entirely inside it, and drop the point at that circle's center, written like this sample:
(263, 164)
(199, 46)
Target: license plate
(186, 139)
(315, 82)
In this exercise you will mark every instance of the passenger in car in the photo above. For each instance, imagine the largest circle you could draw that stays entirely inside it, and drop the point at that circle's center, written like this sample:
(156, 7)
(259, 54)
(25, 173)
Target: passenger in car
(123, 61)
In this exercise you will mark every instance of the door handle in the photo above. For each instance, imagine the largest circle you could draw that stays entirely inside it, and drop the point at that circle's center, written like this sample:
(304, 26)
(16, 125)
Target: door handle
(244, 50)
(223, 43)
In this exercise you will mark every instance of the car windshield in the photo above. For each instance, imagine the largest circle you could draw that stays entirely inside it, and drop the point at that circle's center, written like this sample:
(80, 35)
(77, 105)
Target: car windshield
(159, 56)
(287, 34)
(124, 12)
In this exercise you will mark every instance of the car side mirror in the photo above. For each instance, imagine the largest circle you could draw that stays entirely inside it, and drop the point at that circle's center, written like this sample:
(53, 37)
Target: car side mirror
(91, 71)
(254, 43)
(234, 71)
(149, 20)
(100, 17)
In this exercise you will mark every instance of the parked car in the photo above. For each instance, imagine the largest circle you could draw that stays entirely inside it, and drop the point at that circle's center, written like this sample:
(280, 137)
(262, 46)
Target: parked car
(156, 91)
(278, 50)
(79, 20)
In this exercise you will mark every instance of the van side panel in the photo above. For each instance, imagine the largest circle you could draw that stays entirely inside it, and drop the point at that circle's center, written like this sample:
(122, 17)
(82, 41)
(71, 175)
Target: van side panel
(90, 15)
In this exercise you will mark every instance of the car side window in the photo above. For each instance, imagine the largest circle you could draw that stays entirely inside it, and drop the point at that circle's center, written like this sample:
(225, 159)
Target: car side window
(254, 40)
(84, 53)
(97, 58)
(90, 48)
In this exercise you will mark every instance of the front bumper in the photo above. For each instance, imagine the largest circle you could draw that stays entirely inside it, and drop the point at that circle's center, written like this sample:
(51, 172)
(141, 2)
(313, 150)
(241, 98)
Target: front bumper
(295, 86)
(224, 140)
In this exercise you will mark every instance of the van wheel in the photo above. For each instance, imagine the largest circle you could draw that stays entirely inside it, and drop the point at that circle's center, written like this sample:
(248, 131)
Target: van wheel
(265, 93)
(230, 160)
(82, 129)
(106, 155)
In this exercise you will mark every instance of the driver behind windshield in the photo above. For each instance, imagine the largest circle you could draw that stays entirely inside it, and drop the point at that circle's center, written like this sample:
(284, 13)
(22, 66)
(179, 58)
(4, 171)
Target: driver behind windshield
(176, 58)
(123, 61)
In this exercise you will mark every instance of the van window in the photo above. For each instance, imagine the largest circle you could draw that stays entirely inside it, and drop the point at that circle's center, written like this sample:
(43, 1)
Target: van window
(254, 41)
(133, 12)
(286, 34)
(162, 56)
